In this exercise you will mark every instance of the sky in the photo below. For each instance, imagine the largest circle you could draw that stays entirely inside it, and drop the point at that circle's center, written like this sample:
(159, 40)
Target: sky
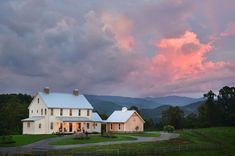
(135, 48)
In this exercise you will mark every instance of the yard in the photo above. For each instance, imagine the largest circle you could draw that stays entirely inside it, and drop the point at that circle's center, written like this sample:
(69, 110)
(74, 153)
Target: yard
(91, 139)
(145, 134)
(197, 142)
(20, 140)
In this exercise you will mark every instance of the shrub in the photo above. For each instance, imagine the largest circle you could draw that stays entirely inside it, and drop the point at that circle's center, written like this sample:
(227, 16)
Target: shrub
(169, 128)
(6, 139)
(81, 136)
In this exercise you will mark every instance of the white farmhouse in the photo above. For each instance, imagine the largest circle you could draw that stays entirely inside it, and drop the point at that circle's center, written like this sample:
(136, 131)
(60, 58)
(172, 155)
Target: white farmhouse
(60, 112)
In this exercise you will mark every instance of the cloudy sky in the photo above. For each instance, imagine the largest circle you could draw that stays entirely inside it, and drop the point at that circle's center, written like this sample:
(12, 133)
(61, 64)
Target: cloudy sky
(130, 48)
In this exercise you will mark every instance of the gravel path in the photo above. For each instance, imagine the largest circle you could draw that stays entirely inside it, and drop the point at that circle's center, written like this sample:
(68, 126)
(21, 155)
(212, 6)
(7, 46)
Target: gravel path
(43, 145)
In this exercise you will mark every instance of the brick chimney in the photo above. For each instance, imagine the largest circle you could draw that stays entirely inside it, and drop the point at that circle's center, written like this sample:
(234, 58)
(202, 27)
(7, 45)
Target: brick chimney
(75, 92)
(46, 90)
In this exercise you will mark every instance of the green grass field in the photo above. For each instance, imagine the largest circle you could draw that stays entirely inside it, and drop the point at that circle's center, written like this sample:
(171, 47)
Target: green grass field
(202, 137)
(92, 139)
(26, 139)
(145, 134)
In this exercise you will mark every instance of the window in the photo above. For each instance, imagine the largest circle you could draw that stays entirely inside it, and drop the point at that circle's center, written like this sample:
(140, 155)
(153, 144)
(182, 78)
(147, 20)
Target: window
(40, 125)
(38, 100)
(88, 112)
(45, 111)
(28, 124)
(111, 127)
(88, 125)
(41, 111)
(37, 111)
(119, 126)
(51, 125)
(31, 111)
(70, 112)
(52, 112)
(61, 112)
(79, 112)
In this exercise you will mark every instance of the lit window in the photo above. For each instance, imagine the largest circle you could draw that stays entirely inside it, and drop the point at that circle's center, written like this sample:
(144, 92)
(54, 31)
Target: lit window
(40, 125)
(51, 125)
(70, 112)
(28, 124)
(52, 112)
(79, 112)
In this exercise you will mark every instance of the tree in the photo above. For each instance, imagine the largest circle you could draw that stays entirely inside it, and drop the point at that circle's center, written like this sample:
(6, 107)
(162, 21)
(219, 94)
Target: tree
(173, 116)
(226, 101)
(209, 112)
(135, 108)
(191, 121)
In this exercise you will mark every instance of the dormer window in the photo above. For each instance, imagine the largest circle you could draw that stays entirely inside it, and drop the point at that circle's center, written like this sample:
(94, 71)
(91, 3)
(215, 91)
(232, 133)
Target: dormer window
(70, 112)
(88, 112)
(61, 112)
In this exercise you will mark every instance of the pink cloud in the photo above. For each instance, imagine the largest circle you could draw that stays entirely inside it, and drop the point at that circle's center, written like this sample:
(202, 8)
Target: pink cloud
(229, 31)
(122, 28)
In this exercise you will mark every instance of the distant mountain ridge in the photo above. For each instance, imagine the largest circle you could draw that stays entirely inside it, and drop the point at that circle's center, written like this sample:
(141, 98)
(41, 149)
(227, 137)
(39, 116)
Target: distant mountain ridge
(148, 105)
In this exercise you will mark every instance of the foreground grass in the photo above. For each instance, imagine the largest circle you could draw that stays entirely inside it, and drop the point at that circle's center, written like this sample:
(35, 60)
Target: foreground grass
(21, 140)
(91, 139)
(206, 136)
(145, 134)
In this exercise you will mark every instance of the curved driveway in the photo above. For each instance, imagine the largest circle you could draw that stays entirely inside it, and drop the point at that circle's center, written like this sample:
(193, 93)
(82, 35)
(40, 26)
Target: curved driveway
(43, 145)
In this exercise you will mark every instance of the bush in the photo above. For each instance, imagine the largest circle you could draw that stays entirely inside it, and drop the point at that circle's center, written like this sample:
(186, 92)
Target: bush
(6, 139)
(169, 128)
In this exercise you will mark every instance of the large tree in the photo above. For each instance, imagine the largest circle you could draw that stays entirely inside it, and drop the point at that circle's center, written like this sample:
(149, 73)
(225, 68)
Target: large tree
(226, 101)
(173, 116)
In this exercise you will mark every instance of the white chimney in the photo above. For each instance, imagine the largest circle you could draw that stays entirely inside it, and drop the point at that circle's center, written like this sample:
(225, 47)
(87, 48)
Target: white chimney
(47, 90)
(124, 109)
(75, 92)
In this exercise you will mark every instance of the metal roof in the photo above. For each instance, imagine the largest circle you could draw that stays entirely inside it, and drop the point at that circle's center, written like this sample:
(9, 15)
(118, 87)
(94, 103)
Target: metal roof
(96, 117)
(120, 116)
(33, 118)
(63, 100)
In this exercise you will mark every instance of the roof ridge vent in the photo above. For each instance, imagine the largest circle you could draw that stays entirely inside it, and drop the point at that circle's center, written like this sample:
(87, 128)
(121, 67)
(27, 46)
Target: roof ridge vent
(124, 109)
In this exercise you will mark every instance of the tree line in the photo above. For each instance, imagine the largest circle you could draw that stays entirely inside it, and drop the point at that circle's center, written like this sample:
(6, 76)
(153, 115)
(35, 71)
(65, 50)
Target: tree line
(217, 110)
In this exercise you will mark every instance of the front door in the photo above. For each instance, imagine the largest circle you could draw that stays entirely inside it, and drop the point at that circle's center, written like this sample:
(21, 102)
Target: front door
(70, 127)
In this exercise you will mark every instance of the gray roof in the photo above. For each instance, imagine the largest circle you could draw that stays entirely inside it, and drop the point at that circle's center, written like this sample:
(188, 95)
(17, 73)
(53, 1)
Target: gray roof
(63, 100)
(33, 118)
(96, 117)
(74, 119)
(120, 116)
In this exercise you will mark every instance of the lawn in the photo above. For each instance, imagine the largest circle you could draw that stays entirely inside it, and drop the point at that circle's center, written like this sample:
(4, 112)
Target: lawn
(145, 134)
(92, 139)
(202, 137)
(21, 140)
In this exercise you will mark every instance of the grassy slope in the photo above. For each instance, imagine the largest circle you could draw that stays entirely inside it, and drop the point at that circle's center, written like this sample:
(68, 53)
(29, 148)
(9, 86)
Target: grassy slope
(26, 139)
(225, 135)
(92, 139)
(145, 134)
